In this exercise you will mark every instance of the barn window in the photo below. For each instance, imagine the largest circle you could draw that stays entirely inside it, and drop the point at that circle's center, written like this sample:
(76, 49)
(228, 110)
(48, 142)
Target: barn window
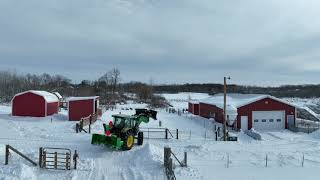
(264, 120)
(278, 120)
(256, 120)
(271, 120)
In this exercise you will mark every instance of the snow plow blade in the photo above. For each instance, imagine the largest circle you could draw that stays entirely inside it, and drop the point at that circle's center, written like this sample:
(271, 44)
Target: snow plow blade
(112, 141)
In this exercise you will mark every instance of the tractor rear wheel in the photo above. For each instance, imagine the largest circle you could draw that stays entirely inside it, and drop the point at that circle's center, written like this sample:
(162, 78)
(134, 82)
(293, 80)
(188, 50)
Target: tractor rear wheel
(128, 141)
(140, 138)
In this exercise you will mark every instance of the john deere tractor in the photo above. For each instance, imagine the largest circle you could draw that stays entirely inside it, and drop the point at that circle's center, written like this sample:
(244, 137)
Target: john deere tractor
(124, 129)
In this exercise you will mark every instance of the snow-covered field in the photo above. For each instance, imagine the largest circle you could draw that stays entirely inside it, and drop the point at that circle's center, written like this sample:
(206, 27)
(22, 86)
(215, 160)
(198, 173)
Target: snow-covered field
(207, 159)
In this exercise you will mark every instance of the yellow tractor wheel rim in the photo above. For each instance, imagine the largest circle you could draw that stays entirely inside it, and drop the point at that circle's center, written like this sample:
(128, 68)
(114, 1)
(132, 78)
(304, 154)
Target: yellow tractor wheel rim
(130, 141)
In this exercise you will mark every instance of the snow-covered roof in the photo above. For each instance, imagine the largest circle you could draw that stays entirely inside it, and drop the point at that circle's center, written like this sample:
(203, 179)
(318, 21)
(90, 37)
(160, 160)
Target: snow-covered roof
(58, 95)
(234, 101)
(81, 98)
(49, 97)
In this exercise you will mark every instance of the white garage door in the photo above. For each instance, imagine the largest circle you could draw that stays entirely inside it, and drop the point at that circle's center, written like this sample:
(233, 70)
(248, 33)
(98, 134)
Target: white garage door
(268, 120)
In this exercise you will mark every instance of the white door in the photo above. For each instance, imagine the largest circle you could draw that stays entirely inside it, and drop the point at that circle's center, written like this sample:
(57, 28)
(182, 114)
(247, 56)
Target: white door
(244, 123)
(268, 120)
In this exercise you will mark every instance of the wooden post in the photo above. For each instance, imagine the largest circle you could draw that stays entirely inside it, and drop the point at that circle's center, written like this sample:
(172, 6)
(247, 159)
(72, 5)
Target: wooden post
(55, 160)
(90, 120)
(216, 135)
(266, 160)
(185, 159)
(75, 157)
(177, 133)
(303, 160)
(40, 157)
(166, 135)
(7, 155)
(167, 155)
(77, 128)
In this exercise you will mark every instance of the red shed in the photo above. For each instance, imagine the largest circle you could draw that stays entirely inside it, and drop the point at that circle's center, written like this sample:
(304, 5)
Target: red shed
(193, 107)
(35, 104)
(261, 112)
(80, 107)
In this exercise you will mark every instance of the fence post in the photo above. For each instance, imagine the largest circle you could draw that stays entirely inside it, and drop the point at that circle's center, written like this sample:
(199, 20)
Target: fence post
(190, 135)
(266, 160)
(56, 160)
(167, 155)
(40, 157)
(166, 133)
(177, 133)
(216, 135)
(148, 133)
(303, 160)
(90, 120)
(7, 155)
(75, 157)
(77, 127)
(185, 159)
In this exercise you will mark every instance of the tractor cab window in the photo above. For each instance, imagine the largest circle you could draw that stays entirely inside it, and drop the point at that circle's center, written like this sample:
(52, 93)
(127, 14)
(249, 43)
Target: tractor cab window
(119, 122)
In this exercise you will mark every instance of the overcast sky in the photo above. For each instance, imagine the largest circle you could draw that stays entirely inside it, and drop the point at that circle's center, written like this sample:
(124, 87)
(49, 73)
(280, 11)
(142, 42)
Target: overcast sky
(265, 42)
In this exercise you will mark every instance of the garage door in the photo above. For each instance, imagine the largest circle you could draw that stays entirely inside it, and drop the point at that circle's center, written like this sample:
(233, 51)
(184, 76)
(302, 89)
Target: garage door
(268, 120)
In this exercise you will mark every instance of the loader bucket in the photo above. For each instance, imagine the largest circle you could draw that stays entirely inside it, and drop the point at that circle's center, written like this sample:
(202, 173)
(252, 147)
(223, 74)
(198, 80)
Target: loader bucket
(151, 113)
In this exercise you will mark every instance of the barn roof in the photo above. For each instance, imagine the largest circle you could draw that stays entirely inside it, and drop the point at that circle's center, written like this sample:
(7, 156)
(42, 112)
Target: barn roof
(82, 98)
(235, 101)
(49, 97)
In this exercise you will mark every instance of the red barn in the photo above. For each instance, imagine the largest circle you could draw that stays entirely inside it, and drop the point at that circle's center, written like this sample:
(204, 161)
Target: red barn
(80, 107)
(193, 107)
(261, 112)
(35, 104)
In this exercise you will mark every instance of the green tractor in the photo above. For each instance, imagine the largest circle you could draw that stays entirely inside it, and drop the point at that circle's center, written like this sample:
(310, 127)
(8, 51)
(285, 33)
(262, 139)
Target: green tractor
(121, 133)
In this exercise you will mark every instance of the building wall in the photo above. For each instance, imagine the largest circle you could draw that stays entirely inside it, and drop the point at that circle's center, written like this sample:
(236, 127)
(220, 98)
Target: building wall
(28, 104)
(196, 109)
(207, 110)
(80, 109)
(52, 108)
(266, 104)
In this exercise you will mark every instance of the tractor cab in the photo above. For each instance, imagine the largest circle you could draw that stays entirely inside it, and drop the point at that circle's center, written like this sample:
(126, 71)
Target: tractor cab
(123, 121)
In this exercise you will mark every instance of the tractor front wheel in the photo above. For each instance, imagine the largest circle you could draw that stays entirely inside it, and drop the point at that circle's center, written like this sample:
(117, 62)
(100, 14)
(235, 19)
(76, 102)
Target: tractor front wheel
(140, 138)
(128, 141)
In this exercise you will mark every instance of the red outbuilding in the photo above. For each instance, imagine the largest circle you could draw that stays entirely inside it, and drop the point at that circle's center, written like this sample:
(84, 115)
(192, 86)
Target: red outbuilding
(246, 111)
(193, 107)
(35, 104)
(80, 107)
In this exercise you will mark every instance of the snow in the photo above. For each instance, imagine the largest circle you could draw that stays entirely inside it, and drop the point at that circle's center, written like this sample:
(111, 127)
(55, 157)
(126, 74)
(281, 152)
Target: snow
(81, 98)
(49, 97)
(58, 95)
(207, 158)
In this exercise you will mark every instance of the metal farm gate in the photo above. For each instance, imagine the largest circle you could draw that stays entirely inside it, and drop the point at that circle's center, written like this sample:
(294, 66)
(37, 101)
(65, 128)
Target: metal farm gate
(56, 158)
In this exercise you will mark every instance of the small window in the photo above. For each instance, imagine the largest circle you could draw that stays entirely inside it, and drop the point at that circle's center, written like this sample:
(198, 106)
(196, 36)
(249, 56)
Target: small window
(264, 120)
(278, 120)
(271, 120)
(256, 120)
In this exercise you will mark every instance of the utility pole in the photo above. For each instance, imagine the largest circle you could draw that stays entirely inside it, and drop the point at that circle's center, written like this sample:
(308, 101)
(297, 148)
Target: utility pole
(225, 109)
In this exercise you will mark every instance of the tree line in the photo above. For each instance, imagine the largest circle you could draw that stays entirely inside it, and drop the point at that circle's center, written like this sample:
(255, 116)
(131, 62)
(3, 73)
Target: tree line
(112, 90)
